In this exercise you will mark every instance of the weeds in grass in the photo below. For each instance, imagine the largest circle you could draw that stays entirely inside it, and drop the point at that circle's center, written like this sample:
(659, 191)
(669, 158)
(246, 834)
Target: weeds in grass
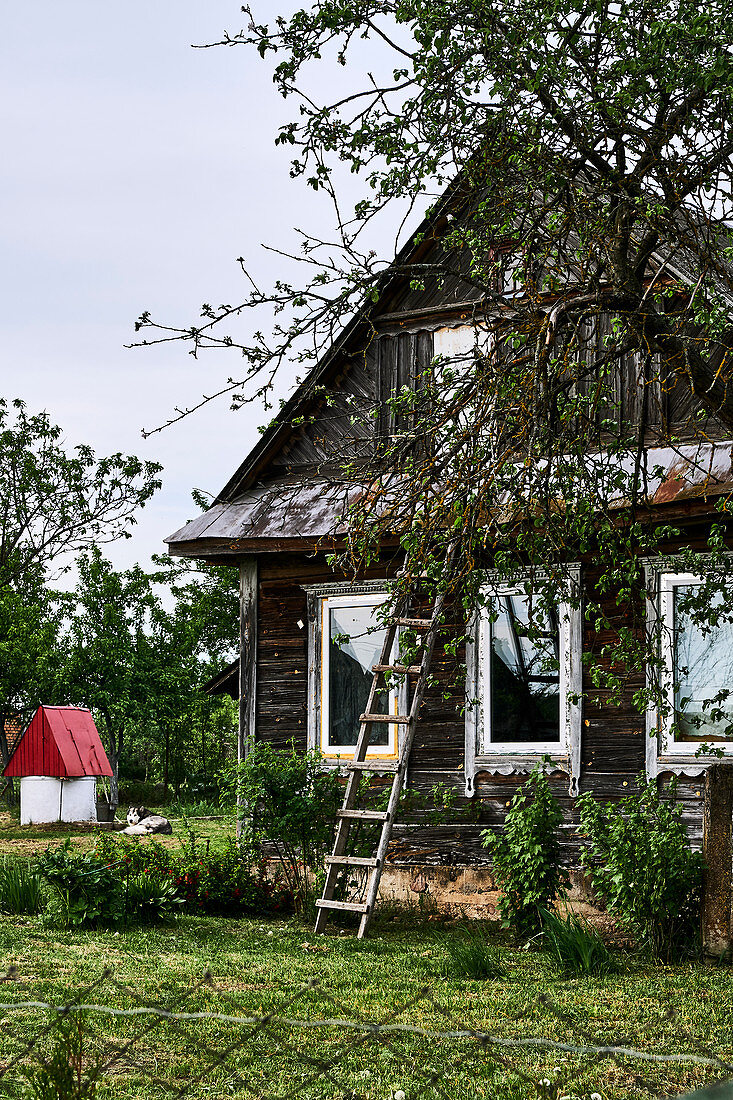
(468, 954)
(20, 887)
(577, 947)
(200, 808)
(64, 1074)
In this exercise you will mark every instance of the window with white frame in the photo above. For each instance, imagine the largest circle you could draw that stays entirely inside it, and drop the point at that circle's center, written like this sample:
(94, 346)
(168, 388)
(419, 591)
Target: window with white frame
(696, 647)
(347, 637)
(525, 680)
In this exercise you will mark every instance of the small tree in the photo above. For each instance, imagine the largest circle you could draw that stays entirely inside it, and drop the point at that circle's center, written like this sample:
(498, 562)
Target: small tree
(641, 864)
(54, 503)
(291, 803)
(526, 856)
(109, 652)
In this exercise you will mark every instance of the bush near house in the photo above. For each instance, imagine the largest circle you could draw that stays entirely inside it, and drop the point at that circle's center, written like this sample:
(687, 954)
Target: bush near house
(289, 804)
(641, 864)
(526, 856)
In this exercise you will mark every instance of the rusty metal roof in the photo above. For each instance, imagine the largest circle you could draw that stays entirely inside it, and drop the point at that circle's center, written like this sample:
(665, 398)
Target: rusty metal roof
(309, 508)
(291, 508)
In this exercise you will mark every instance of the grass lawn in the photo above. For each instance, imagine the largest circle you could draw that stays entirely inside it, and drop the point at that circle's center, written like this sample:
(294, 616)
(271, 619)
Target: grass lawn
(400, 975)
(264, 967)
(28, 840)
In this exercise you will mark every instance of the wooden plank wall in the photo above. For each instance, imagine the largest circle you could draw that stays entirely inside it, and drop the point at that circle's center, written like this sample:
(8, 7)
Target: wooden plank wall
(612, 747)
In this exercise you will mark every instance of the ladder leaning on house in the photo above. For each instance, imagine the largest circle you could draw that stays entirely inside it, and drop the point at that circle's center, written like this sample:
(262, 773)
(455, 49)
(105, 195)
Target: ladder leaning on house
(350, 813)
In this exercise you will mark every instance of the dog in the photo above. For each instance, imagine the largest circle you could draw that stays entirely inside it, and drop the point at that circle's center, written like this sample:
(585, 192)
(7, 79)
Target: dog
(140, 822)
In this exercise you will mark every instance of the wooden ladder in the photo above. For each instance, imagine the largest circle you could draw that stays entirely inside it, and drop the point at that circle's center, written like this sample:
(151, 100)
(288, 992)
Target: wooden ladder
(350, 813)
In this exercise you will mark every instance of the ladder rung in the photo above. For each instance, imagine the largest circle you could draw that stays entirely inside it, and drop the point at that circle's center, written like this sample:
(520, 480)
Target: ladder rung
(410, 670)
(372, 765)
(363, 815)
(387, 719)
(350, 906)
(351, 861)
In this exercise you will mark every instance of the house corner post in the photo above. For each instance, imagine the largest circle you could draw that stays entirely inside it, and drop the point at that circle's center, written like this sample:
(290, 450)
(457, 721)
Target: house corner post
(248, 585)
(717, 852)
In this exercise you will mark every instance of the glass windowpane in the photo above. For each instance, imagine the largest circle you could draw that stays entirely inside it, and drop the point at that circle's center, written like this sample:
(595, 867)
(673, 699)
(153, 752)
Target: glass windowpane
(525, 676)
(350, 674)
(703, 667)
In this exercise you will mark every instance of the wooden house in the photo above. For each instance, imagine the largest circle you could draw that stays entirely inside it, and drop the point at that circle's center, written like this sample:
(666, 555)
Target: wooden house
(58, 759)
(279, 516)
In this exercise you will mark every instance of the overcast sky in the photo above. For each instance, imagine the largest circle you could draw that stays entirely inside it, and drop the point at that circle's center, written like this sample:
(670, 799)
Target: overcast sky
(135, 170)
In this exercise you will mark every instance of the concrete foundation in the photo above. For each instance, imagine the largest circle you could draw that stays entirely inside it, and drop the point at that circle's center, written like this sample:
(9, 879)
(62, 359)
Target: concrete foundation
(468, 891)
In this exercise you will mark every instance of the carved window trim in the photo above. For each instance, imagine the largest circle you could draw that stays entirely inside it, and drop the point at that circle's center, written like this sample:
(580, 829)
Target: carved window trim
(318, 597)
(662, 575)
(566, 756)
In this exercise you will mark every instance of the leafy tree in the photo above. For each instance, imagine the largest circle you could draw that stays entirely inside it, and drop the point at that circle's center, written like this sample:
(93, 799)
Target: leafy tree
(109, 652)
(577, 160)
(593, 137)
(29, 655)
(54, 504)
(138, 664)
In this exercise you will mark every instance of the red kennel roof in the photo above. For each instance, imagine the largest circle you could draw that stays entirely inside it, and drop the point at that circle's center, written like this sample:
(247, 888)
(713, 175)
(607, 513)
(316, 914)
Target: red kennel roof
(60, 741)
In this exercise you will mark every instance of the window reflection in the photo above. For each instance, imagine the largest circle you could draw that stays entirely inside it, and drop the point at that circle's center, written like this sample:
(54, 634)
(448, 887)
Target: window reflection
(703, 669)
(350, 674)
(525, 674)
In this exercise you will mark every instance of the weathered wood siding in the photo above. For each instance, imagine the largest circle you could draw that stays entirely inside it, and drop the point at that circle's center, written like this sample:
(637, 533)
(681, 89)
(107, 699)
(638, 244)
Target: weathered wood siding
(613, 741)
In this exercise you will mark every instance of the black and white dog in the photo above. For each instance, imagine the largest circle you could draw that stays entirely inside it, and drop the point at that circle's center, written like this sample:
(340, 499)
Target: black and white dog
(140, 822)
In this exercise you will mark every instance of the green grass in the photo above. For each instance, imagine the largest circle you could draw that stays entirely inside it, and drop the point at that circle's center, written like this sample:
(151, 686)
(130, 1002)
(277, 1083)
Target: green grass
(259, 967)
(576, 946)
(20, 886)
(26, 840)
(468, 953)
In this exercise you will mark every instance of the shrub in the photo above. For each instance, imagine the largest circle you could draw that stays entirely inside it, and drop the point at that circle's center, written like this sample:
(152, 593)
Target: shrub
(134, 856)
(69, 1070)
(291, 803)
(181, 807)
(641, 864)
(20, 887)
(87, 891)
(526, 856)
(469, 955)
(577, 947)
(223, 882)
(151, 898)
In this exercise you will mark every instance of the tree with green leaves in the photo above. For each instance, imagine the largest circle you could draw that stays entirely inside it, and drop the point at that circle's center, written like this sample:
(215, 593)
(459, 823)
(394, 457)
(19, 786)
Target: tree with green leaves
(30, 659)
(138, 662)
(54, 502)
(109, 652)
(575, 163)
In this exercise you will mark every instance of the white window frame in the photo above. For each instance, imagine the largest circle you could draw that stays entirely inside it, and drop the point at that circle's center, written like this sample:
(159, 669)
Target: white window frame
(507, 758)
(663, 752)
(321, 599)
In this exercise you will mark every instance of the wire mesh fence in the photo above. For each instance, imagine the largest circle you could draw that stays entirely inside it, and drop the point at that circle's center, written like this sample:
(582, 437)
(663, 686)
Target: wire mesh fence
(200, 1041)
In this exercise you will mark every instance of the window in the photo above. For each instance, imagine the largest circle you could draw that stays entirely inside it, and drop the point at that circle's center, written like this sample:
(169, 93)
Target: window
(696, 673)
(346, 640)
(525, 684)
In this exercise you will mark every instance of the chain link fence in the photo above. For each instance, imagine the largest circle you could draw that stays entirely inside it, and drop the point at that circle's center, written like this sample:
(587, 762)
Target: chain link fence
(199, 1042)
